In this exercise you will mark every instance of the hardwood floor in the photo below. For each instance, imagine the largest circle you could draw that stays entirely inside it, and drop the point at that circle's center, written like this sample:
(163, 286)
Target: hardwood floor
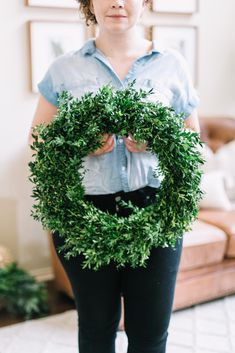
(58, 303)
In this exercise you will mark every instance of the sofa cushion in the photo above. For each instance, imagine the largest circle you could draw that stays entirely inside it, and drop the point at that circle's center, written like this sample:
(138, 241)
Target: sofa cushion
(225, 220)
(225, 161)
(221, 161)
(213, 187)
(203, 245)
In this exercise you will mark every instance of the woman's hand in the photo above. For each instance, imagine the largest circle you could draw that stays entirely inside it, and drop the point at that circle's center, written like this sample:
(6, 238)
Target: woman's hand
(134, 146)
(108, 145)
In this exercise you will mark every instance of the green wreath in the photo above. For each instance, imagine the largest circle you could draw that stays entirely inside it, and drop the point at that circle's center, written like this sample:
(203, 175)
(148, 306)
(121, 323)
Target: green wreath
(76, 130)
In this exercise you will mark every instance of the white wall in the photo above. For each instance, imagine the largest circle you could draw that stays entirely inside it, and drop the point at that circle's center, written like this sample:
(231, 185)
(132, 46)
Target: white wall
(216, 64)
(24, 236)
(217, 57)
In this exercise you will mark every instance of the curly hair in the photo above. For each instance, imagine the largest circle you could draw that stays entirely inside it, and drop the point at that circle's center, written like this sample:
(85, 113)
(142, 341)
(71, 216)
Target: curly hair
(89, 16)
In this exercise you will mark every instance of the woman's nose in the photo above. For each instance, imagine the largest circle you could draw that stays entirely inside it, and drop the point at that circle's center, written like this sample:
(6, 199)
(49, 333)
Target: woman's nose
(118, 4)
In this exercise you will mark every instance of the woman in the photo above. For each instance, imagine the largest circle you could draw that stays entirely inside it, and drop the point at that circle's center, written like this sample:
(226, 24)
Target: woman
(121, 169)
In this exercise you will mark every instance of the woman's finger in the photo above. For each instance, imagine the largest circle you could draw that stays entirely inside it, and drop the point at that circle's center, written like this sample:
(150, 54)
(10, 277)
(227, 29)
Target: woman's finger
(134, 146)
(105, 137)
(109, 145)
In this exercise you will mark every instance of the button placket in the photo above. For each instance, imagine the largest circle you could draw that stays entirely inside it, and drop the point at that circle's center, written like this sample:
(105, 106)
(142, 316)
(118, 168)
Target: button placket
(117, 199)
(122, 162)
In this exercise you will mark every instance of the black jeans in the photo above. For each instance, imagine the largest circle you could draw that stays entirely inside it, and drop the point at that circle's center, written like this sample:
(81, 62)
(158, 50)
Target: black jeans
(148, 292)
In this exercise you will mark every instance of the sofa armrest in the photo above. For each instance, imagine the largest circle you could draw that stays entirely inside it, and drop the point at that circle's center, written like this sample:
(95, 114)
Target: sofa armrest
(225, 220)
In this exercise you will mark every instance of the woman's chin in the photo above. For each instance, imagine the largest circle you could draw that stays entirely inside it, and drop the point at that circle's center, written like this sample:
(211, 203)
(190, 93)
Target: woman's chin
(116, 28)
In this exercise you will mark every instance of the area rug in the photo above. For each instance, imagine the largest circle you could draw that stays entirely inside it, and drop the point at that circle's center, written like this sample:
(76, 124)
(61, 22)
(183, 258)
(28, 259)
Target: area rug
(205, 328)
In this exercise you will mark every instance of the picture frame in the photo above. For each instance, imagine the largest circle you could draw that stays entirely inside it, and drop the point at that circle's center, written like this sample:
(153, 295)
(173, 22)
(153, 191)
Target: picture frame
(50, 39)
(144, 31)
(70, 4)
(182, 38)
(173, 6)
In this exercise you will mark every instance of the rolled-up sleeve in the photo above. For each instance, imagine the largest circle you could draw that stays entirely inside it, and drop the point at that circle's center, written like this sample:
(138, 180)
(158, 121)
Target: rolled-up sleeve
(47, 88)
(185, 97)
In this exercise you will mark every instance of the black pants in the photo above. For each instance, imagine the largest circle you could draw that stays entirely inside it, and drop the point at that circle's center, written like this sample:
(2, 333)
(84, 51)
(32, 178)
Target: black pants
(148, 292)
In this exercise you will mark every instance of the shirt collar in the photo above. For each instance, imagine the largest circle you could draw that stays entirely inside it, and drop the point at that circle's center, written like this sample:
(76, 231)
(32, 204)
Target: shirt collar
(89, 47)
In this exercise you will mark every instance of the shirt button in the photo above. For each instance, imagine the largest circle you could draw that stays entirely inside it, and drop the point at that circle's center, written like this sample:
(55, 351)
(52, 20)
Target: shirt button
(120, 140)
(123, 168)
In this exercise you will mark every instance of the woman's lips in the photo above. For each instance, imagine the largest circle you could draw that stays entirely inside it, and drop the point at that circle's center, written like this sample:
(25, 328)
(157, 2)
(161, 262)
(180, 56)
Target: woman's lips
(117, 16)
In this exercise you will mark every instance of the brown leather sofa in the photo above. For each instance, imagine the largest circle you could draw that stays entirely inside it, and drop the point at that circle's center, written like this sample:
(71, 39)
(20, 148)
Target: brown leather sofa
(207, 267)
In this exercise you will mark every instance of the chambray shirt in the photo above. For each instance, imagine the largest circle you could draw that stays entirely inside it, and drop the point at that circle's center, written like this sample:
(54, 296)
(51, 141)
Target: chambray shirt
(87, 69)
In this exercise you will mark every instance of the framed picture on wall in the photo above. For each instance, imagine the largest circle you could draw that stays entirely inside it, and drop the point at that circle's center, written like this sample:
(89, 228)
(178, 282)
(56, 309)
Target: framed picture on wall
(182, 38)
(48, 40)
(175, 6)
(53, 3)
(144, 31)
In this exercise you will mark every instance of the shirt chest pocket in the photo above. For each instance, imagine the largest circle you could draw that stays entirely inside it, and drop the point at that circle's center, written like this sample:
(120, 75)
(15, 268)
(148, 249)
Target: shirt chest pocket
(160, 93)
(79, 87)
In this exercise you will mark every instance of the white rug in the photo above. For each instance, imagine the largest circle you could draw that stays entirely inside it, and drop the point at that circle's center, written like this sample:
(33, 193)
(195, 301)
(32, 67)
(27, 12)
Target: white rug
(205, 328)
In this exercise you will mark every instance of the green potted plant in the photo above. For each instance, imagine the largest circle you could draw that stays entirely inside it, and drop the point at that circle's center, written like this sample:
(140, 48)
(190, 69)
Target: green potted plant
(20, 293)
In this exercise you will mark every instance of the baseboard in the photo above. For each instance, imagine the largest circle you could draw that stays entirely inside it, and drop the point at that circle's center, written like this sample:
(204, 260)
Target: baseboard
(43, 274)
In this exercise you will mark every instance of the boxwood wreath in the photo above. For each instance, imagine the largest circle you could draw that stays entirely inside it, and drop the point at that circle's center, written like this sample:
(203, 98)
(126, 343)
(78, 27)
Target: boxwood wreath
(57, 173)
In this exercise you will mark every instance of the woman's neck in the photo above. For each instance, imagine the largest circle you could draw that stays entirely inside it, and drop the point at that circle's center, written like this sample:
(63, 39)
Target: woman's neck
(128, 44)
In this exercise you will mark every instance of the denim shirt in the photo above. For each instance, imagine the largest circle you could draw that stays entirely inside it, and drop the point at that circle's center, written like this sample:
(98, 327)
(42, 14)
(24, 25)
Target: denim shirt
(87, 69)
